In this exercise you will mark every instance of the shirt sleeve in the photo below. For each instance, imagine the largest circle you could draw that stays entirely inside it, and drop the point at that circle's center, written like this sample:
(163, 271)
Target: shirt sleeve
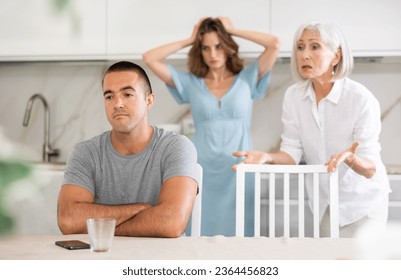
(250, 74)
(78, 170)
(180, 159)
(290, 139)
(181, 80)
(367, 129)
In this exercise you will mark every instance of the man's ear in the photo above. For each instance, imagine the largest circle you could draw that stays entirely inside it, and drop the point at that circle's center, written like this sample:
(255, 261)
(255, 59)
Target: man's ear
(150, 100)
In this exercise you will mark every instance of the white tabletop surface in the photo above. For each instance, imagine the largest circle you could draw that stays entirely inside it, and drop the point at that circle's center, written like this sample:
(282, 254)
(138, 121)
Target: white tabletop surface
(183, 248)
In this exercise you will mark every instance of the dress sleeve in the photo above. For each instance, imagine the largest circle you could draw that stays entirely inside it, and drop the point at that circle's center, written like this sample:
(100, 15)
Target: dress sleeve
(181, 80)
(250, 74)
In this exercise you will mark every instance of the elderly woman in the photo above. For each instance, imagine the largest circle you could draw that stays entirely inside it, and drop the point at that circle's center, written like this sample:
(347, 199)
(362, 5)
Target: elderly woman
(333, 120)
(220, 91)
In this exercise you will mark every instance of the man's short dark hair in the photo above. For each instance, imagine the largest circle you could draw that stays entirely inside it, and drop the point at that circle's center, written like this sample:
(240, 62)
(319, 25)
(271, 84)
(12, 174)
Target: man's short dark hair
(130, 66)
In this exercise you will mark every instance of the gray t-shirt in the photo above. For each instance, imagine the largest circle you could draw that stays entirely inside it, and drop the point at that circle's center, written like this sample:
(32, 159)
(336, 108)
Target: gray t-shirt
(122, 179)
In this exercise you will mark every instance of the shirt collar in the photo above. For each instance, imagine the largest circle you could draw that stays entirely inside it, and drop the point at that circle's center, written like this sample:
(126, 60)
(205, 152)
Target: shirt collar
(333, 96)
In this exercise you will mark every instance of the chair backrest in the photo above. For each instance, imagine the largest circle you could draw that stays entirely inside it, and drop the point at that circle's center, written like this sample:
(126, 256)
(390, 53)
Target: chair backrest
(197, 208)
(286, 170)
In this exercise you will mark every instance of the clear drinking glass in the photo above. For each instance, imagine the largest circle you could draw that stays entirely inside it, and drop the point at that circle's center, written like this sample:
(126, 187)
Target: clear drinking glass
(101, 233)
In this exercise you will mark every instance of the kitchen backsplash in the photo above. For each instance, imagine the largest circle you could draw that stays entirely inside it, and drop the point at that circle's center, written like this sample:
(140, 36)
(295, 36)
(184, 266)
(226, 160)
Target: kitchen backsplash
(73, 92)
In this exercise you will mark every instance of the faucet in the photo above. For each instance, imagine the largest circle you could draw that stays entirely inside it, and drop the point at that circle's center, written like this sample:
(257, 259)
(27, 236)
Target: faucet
(48, 151)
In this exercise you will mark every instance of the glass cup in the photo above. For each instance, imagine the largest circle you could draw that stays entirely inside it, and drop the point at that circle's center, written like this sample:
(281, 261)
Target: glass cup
(101, 233)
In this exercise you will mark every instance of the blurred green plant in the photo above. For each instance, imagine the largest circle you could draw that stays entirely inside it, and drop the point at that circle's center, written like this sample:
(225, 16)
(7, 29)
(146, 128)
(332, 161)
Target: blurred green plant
(60, 5)
(11, 170)
(67, 7)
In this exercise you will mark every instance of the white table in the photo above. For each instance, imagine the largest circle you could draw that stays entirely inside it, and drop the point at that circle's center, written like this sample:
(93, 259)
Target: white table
(183, 248)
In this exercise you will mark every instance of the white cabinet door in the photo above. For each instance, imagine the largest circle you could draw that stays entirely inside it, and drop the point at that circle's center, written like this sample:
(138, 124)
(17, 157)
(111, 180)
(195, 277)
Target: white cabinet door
(33, 203)
(52, 29)
(135, 26)
(372, 27)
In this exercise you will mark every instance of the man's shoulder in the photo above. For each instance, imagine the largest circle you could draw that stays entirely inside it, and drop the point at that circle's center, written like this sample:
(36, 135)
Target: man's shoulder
(170, 139)
(167, 135)
(93, 143)
(96, 139)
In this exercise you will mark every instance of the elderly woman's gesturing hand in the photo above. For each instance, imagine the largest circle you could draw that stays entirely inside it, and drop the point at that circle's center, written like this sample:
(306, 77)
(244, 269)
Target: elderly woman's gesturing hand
(255, 157)
(347, 156)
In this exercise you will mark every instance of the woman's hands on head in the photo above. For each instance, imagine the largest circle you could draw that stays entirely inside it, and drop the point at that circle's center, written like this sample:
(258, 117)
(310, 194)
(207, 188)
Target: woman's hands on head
(195, 30)
(227, 23)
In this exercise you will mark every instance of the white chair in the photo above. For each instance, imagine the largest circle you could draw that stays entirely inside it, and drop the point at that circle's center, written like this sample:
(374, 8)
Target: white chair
(197, 208)
(286, 170)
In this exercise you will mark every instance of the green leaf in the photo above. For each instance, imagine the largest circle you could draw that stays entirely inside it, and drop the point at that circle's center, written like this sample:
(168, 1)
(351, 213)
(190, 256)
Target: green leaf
(11, 171)
(6, 222)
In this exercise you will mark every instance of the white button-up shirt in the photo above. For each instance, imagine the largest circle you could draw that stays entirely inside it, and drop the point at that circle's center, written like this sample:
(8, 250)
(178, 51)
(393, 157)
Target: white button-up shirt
(313, 132)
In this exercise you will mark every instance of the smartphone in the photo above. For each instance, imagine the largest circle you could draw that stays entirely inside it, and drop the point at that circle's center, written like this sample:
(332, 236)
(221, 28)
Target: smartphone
(73, 244)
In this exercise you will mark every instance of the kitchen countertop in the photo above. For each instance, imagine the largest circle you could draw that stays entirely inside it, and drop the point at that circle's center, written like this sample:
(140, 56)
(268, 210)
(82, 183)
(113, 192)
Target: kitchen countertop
(184, 248)
(56, 166)
(393, 169)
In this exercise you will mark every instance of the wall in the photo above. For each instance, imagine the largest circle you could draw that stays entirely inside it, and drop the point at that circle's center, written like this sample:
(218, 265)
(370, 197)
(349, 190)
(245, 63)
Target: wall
(73, 91)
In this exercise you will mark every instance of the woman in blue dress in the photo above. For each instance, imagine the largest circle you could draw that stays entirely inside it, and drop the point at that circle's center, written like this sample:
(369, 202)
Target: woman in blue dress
(220, 91)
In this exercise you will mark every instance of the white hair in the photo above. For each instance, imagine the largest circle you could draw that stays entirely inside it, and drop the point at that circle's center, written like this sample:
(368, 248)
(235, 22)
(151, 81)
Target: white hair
(332, 36)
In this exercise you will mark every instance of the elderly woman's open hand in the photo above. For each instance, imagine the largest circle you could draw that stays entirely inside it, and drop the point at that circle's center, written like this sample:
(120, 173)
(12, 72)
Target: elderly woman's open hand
(255, 157)
(347, 155)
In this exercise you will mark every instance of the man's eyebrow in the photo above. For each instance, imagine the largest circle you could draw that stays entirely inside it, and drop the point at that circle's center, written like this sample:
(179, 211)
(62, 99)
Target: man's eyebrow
(127, 87)
(121, 89)
(107, 92)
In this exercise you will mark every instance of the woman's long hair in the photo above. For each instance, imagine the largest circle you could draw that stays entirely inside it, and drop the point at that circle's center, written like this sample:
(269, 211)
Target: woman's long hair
(196, 65)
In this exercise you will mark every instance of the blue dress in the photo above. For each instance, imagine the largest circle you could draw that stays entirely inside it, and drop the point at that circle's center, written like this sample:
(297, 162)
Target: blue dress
(221, 128)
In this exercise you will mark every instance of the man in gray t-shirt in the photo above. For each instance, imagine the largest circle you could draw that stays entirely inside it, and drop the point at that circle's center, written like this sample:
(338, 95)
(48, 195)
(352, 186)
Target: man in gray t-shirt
(142, 176)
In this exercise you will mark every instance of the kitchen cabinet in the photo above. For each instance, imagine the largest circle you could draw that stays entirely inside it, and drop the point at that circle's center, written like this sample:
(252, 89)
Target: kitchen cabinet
(371, 27)
(134, 27)
(124, 29)
(52, 30)
(394, 211)
(33, 202)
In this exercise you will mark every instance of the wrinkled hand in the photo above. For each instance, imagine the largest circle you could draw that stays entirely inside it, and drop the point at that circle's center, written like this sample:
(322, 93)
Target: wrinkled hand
(255, 157)
(227, 23)
(336, 159)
